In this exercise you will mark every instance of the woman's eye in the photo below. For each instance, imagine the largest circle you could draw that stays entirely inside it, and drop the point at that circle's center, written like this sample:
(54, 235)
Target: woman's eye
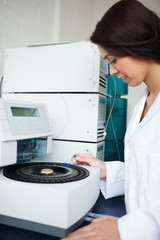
(114, 61)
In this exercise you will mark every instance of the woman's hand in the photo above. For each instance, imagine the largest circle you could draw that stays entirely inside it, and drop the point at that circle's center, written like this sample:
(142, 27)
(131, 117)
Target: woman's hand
(104, 228)
(89, 160)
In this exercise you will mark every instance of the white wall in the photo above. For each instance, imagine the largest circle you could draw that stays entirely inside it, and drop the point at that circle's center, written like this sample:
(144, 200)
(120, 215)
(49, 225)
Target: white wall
(76, 20)
(79, 17)
(25, 22)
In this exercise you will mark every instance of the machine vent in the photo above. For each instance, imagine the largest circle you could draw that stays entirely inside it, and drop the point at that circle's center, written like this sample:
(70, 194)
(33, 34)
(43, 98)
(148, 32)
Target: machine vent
(100, 152)
(100, 133)
(103, 82)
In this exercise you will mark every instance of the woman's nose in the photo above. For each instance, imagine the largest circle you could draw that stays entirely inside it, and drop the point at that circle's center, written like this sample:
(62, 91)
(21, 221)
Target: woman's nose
(113, 70)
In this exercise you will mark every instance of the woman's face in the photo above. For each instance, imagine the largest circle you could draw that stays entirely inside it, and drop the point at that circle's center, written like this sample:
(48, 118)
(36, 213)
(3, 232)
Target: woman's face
(132, 71)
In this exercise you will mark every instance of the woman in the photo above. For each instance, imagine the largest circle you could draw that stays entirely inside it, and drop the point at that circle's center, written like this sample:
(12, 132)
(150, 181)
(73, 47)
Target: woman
(128, 36)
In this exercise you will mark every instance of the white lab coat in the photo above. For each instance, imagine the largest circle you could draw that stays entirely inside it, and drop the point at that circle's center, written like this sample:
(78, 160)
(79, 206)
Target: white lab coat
(139, 177)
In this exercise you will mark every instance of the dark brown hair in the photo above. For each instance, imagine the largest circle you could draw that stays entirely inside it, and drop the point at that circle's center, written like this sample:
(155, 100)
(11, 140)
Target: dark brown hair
(128, 28)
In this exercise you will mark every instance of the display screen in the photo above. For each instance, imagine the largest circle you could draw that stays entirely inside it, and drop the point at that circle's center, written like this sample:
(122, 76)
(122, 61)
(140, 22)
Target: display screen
(24, 112)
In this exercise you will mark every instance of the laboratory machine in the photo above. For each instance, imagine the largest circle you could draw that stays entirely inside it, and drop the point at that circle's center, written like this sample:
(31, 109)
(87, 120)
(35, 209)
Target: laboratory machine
(67, 67)
(71, 79)
(36, 192)
(70, 148)
(75, 117)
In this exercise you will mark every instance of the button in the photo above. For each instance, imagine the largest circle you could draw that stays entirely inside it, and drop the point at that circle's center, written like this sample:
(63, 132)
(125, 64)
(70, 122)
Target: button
(66, 164)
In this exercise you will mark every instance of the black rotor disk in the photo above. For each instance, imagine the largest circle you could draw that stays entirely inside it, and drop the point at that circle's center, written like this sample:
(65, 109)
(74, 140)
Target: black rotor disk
(45, 172)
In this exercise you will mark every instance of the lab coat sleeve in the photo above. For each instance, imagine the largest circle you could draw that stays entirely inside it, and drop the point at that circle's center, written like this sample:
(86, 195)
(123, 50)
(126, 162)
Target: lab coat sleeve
(140, 224)
(113, 184)
(144, 222)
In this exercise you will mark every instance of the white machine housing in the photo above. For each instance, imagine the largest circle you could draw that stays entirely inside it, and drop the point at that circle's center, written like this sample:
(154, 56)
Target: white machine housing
(70, 148)
(21, 120)
(69, 67)
(75, 117)
(53, 209)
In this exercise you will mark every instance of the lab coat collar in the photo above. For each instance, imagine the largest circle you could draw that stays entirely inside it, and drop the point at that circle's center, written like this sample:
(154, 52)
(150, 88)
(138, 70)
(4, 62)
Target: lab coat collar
(135, 125)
